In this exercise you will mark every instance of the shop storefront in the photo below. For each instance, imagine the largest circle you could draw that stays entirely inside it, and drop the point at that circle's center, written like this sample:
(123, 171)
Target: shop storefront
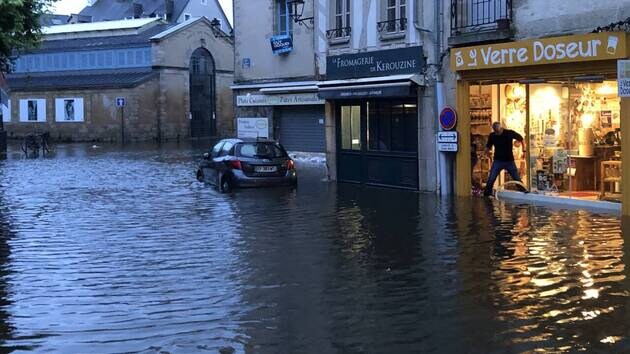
(295, 119)
(374, 103)
(561, 95)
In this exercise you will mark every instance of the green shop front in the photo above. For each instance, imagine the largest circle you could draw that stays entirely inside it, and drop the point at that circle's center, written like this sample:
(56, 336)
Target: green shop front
(372, 102)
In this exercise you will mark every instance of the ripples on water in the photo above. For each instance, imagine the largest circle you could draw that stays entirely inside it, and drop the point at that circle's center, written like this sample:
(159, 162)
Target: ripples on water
(121, 250)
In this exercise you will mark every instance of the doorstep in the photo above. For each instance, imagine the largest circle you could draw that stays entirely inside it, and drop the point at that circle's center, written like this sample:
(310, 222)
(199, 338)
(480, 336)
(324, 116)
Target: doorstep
(573, 203)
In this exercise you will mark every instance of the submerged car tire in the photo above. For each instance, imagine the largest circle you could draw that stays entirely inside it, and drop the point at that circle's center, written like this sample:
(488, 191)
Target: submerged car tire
(200, 176)
(226, 185)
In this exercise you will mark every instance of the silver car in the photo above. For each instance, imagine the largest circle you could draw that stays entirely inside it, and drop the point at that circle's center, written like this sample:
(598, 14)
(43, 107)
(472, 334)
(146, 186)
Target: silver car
(236, 163)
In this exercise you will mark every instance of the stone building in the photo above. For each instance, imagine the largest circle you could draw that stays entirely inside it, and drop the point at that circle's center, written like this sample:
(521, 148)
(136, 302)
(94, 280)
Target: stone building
(275, 74)
(348, 78)
(374, 60)
(136, 79)
(548, 70)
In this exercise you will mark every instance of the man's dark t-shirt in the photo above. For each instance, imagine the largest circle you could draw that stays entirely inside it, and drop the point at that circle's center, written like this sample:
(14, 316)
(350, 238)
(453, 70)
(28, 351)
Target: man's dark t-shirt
(503, 144)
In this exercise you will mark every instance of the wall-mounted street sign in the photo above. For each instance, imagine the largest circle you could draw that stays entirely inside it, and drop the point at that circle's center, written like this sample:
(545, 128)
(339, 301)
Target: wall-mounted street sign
(623, 77)
(252, 127)
(448, 118)
(447, 137)
(447, 147)
(121, 102)
(377, 63)
(281, 44)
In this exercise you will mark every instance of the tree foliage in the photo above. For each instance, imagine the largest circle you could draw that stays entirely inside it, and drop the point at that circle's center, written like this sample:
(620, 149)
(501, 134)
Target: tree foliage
(19, 27)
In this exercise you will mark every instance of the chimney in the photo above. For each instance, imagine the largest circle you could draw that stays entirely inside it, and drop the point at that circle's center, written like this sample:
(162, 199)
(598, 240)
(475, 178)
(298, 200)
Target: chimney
(169, 8)
(137, 10)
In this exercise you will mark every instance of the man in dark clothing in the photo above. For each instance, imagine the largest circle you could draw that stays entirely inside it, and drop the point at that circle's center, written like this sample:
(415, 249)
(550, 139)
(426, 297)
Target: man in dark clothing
(502, 140)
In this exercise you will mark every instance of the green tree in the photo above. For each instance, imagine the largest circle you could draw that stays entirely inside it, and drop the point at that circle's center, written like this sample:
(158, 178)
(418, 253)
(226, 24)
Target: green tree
(19, 27)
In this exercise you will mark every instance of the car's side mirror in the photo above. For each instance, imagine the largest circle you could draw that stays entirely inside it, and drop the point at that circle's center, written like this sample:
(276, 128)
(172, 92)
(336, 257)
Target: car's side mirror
(206, 156)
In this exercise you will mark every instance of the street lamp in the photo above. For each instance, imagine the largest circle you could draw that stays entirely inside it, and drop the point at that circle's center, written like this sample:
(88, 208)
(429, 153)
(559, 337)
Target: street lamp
(215, 25)
(297, 11)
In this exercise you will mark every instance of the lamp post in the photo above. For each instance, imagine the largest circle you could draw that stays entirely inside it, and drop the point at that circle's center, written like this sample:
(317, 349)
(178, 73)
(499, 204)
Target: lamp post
(297, 11)
(4, 101)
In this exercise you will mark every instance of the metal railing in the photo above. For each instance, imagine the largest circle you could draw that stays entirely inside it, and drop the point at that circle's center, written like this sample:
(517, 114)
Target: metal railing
(342, 32)
(480, 15)
(398, 25)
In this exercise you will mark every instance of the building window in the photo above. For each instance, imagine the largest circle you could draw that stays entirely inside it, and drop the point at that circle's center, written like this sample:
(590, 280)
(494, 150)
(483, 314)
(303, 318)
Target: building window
(33, 110)
(351, 127)
(195, 65)
(186, 17)
(5, 110)
(284, 25)
(479, 15)
(69, 110)
(395, 16)
(340, 20)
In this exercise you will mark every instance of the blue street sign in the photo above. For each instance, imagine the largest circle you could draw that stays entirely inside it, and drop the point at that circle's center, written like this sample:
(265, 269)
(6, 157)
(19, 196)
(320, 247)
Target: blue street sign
(281, 44)
(121, 102)
(448, 118)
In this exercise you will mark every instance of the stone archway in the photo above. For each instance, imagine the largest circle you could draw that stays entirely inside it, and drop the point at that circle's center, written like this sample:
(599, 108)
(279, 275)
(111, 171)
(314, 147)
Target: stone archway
(202, 94)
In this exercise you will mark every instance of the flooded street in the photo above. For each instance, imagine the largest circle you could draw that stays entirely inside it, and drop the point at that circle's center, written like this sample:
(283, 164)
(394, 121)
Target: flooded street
(115, 249)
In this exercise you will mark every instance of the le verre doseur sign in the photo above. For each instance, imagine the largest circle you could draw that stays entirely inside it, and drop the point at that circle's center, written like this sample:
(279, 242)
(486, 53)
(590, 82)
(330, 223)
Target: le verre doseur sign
(556, 50)
(379, 63)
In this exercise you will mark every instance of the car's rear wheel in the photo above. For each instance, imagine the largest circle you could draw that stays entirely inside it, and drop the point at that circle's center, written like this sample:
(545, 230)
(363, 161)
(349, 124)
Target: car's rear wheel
(226, 185)
(200, 175)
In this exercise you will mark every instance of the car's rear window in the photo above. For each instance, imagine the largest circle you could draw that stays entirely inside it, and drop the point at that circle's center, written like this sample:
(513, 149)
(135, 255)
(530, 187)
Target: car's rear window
(262, 150)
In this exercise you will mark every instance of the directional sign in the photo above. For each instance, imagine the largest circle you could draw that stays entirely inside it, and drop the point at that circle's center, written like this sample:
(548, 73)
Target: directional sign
(623, 78)
(121, 102)
(447, 147)
(448, 118)
(447, 137)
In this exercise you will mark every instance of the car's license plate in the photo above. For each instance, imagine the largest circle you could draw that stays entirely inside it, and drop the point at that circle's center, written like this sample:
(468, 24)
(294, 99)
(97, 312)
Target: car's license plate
(266, 169)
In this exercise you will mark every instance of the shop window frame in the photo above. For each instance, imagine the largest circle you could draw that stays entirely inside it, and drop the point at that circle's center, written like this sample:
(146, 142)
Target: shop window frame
(409, 114)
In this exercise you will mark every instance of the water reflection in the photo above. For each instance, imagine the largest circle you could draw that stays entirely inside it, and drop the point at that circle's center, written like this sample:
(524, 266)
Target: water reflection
(110, 249)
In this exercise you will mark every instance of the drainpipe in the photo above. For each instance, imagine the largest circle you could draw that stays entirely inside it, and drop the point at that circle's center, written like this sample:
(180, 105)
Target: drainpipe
(444, 162)
(418, 14)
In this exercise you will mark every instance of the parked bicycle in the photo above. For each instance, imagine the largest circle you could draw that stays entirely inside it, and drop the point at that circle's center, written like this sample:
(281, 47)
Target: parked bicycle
(34, 143)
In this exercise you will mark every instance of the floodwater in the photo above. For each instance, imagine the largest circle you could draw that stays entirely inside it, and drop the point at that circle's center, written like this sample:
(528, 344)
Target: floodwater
(113, 249)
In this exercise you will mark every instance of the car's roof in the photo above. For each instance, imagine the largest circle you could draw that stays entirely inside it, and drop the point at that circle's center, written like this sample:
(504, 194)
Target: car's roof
(248, 140)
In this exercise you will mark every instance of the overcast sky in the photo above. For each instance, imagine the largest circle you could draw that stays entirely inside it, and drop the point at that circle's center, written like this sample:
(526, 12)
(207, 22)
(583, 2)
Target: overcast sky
(66, 7)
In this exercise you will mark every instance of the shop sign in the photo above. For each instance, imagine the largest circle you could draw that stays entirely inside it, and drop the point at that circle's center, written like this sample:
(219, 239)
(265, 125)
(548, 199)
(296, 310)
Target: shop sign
(567, 49)
(378, 63)
(297, 99)
(394, 91)
(623, 77)
(447, 137)
(281, 44)
(447, 147)
(448, 118)
(252, 127)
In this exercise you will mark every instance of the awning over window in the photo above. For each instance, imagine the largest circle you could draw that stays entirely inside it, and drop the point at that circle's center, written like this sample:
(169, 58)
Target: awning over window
(374, 87)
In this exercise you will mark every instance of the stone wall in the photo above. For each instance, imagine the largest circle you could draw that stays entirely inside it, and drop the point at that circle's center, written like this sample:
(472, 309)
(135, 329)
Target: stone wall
(540, 18)
(102, 119)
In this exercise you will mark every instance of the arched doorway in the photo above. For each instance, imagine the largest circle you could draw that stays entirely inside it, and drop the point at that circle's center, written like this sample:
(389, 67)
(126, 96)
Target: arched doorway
(202, 94)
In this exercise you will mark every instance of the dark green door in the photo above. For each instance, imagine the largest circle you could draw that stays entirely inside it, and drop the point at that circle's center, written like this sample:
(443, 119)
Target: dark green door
(202, 87)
